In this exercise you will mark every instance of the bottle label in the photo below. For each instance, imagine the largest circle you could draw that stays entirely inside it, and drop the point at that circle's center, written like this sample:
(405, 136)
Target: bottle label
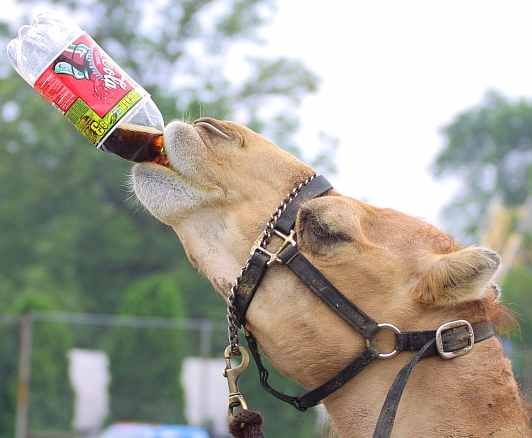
(89, 88)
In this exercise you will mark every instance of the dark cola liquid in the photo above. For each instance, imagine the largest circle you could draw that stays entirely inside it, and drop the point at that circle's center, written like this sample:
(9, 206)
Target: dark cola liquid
(136, 143)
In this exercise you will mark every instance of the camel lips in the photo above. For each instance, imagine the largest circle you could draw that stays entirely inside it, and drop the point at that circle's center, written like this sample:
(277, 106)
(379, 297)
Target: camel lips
(162, 160)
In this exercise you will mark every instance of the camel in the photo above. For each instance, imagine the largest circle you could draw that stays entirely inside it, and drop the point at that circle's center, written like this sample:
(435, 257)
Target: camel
(222, 185)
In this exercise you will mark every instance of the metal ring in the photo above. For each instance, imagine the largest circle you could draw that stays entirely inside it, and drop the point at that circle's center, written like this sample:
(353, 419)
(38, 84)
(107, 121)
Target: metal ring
(395, 330)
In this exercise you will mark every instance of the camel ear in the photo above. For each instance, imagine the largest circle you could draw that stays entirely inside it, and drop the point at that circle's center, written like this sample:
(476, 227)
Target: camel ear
(458, 277)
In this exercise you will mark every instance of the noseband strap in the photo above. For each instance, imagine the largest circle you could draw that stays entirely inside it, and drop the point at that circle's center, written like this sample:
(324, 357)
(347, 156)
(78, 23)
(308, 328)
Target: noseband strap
(450, 340)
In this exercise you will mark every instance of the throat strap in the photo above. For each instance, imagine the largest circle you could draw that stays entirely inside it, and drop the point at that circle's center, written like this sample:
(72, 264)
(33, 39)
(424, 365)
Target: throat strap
(315, 396)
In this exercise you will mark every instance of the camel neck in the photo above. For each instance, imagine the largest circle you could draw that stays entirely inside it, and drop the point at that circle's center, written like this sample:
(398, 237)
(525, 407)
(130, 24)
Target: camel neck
(475, 395)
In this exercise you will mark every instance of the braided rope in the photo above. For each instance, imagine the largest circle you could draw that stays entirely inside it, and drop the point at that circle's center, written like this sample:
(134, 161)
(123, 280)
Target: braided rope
(233, 324)
(246, 424)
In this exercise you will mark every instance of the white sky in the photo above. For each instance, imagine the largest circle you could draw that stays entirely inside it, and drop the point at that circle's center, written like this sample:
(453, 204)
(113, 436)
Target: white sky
(392, 74)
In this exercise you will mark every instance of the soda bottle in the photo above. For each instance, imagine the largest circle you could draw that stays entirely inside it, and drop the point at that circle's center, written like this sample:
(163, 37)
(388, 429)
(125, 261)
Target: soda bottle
(66, 66)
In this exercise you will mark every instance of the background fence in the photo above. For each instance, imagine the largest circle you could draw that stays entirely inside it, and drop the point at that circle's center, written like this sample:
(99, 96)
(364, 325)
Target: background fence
(147, 367)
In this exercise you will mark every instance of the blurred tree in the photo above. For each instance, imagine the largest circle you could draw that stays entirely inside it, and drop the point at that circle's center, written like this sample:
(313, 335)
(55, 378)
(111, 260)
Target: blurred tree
(70, 241)
(9, 331)
(159, 397)
(489, 148)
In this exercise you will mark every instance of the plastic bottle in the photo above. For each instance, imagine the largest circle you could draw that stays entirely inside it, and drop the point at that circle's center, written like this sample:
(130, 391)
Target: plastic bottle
(73, 73)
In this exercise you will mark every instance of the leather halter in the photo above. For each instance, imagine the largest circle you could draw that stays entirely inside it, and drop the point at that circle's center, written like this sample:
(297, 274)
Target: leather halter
(450, 340)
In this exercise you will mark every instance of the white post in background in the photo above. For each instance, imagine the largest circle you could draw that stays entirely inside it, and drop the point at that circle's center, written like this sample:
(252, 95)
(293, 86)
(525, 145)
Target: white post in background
(205, 351)
(24, 377)
(205, 404)
(90, 377)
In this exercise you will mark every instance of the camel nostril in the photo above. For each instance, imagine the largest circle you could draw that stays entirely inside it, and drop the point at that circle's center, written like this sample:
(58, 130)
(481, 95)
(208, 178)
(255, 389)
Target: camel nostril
(213, 126)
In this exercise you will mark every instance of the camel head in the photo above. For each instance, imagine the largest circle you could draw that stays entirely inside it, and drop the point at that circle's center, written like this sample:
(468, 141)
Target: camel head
(222, 186)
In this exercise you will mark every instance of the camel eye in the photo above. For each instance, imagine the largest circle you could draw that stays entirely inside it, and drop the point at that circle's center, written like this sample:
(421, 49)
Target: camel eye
(318, 232)
(328, 234)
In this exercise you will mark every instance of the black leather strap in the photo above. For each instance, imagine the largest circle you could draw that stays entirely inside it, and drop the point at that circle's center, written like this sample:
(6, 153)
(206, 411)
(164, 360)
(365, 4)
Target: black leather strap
(424, 343)
(264, 373)
(384, 426)
(313, 397)
(325, 291)
(453, 339)
(252, 276)
(317, 187)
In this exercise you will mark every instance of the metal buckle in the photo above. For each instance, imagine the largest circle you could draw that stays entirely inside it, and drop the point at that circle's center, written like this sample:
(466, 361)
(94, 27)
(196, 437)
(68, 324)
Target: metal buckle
(231, 373)
(389, 354)
(274, 255)
(450, 325)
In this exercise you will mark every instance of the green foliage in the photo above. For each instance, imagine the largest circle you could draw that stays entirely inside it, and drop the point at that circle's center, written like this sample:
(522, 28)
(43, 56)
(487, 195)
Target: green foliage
(163, 350)
(8, 376)
(517, 296)
(52, 404)
(489, 148)
(70, 239)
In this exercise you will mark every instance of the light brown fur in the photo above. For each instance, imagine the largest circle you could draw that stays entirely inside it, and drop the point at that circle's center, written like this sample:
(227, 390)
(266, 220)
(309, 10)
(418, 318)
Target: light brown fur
(398, 269)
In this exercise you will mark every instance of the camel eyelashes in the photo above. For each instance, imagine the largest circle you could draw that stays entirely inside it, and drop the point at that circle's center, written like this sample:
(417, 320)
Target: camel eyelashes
(322, 230)
(321, 225)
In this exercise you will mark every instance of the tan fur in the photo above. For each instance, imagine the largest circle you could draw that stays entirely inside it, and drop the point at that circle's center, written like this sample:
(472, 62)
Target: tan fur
(398, 269)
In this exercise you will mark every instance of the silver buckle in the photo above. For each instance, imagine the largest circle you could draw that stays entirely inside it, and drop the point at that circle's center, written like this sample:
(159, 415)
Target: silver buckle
(450, 325)
(274, 255)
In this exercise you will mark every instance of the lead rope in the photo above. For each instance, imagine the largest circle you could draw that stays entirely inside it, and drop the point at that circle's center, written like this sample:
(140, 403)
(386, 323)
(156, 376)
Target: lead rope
(245, 423)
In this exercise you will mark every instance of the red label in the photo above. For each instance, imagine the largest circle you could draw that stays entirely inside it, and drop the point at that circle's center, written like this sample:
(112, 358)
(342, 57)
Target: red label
(83, 74)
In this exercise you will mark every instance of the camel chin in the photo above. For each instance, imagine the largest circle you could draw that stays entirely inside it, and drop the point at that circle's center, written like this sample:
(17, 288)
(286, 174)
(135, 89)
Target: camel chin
(164, 193)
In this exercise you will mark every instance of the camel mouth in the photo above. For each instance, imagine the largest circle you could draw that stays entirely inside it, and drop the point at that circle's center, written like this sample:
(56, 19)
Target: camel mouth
(185, 144)
(161, 160)
(180, 155)
(174, 186)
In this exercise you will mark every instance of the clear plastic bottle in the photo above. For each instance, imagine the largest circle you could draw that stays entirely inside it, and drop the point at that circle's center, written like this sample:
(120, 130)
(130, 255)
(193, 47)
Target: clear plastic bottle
(66, 66)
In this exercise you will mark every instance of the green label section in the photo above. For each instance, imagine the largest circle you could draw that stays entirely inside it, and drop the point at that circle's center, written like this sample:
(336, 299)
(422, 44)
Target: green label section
(91, 125)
